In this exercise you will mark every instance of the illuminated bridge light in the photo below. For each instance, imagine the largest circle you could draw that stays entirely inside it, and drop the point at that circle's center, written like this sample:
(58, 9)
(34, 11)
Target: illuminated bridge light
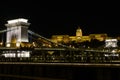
(22, 54)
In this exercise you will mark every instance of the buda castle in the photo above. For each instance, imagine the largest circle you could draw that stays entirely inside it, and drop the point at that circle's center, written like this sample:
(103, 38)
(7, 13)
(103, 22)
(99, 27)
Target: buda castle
(79, 37)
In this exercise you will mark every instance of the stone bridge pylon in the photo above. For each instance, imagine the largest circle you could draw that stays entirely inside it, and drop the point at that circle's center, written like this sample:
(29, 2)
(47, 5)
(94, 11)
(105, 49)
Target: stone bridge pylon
(17, 32)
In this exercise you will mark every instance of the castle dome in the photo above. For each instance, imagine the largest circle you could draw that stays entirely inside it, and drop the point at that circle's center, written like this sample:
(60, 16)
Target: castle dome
(79, 32)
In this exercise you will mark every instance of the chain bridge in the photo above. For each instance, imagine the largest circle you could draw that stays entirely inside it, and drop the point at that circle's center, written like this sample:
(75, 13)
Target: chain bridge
(18, 48)
(26, 55)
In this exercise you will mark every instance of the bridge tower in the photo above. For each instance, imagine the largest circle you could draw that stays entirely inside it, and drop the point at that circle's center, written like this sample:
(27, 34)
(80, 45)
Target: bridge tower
(17, 32)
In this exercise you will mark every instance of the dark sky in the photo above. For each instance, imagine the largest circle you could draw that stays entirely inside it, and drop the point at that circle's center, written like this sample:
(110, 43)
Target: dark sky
(48, 21)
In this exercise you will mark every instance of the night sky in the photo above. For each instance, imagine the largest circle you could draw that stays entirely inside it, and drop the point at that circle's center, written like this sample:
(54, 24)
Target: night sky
(48, 21)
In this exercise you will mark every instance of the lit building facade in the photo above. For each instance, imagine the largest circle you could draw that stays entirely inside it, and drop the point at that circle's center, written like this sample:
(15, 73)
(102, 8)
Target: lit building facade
(17, 32)
(100, 37)
(60, 38)
(78, 38)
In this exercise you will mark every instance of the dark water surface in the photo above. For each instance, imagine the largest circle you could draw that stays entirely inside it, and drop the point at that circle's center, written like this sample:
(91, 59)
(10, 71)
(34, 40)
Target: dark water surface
(57, 72)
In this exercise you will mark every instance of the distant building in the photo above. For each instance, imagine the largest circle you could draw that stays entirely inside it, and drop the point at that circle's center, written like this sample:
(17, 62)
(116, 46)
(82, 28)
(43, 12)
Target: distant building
(78, 38)
(100, 37)
(60, 38)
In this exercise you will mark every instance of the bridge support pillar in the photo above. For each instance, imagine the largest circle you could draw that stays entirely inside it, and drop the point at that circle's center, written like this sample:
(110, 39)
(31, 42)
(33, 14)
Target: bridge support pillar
(17, 32)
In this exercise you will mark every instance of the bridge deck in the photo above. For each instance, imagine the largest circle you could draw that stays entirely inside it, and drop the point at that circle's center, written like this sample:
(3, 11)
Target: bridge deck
(66, 64)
